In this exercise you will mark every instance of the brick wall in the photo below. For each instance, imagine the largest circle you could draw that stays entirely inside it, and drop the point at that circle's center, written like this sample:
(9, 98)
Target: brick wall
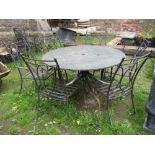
(114, 25)
(131, 25)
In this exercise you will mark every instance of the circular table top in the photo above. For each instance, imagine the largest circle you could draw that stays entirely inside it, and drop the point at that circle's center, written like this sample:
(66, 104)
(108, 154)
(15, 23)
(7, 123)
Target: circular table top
(85, 57)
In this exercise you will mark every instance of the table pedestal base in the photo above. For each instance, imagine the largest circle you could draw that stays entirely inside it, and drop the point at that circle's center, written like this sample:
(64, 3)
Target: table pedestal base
(85, 79)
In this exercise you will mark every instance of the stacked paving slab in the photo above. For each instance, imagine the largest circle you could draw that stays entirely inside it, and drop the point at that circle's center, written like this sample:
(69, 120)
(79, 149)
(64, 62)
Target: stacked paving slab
(83, 23)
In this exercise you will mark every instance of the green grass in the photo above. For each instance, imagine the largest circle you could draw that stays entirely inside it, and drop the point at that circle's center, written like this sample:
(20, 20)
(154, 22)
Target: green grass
(94, 40)
(19, 116)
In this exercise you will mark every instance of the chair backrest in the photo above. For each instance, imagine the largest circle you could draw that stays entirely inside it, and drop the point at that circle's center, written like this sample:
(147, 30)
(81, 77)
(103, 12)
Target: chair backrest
(128, 70)
(21, 38)
(141, 50)
(39, 69)
(19, 33)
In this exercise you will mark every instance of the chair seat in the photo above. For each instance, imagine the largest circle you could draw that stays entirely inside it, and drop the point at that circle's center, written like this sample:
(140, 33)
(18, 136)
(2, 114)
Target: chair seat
(59, 92)
(40, 75)
(115, 90)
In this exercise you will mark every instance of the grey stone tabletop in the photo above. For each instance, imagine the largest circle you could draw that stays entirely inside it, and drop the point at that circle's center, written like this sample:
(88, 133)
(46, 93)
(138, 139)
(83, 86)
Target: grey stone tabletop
(85, 57)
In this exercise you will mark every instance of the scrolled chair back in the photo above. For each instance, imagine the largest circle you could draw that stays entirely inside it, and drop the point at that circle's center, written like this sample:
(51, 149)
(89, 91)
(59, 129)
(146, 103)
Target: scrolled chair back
(40, 71)
(128, 69)
(21, 39)
(141, 50)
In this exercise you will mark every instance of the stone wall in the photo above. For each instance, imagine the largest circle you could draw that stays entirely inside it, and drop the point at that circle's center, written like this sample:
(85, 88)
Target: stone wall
(8, 24)
(32, 27)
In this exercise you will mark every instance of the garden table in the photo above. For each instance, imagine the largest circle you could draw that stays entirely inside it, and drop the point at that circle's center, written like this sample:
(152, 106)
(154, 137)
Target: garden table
(84, 58)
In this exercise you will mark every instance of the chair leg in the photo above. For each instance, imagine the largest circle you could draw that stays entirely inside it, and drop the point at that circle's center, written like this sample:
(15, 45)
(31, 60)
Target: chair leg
(21, 80)
(66, 115)
(0, 82)
(93, 73)
(109, 116)
(107, 108)
(102, 74)
(132, 100)
(38, 101)
(66, 75)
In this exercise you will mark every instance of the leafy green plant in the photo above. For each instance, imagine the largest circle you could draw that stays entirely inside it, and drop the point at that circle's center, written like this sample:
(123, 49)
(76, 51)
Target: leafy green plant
(55, 43)
(147, 34)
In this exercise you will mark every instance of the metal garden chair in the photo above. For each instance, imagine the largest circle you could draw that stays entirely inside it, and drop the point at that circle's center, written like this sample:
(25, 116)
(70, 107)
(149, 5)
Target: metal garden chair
(23, 71)
(141, 50)
(121, 80)
(15, 57)
(39, 71)
(23, 48)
